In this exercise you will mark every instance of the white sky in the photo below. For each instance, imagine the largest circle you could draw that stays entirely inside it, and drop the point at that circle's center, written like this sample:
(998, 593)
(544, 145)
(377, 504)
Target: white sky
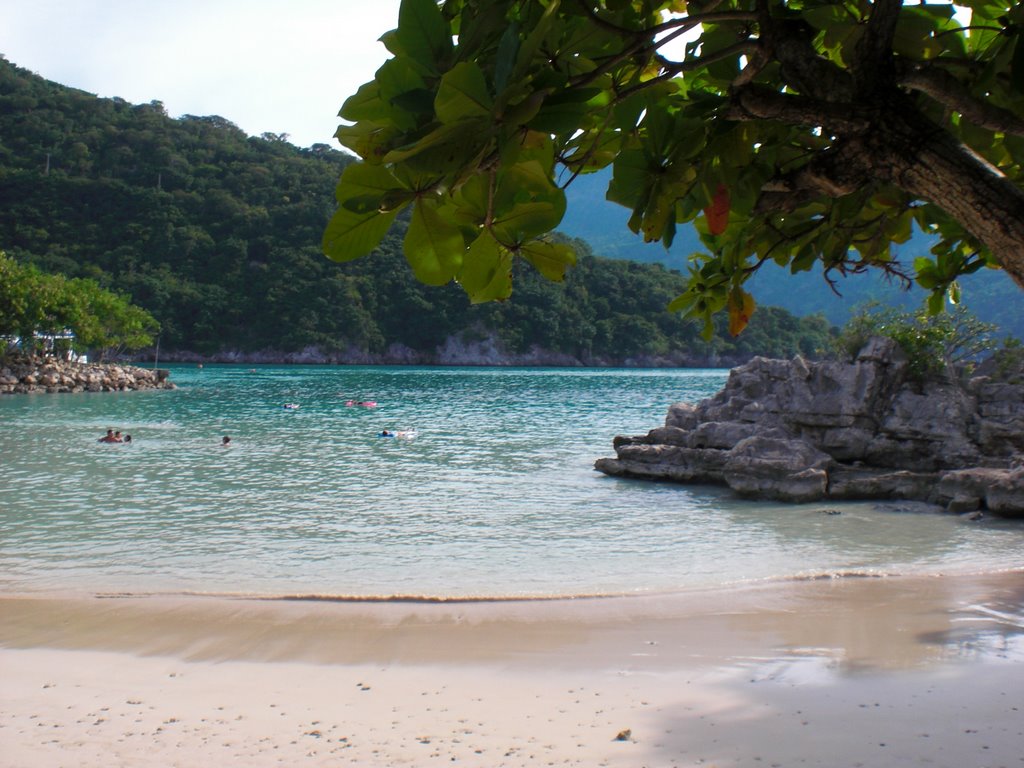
(267, 66)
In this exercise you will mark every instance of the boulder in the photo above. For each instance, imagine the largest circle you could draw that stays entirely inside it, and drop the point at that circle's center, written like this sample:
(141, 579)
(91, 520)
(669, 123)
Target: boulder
(772, 468)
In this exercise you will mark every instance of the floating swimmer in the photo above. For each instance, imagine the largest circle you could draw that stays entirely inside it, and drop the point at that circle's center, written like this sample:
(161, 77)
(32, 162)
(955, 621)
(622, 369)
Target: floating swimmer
(362, 403)
(291, 406)
(403, 433)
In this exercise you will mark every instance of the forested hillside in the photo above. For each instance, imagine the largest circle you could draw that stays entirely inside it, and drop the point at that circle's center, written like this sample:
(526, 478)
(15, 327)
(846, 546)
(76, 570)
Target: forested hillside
(217, 234)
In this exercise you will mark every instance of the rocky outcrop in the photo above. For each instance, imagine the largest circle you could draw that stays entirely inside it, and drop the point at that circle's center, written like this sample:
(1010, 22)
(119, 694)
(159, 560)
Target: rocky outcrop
(803, 431)
(46, 374)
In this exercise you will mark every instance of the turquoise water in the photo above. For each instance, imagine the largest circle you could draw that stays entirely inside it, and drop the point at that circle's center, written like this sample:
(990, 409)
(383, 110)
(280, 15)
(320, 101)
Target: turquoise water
(495, 495)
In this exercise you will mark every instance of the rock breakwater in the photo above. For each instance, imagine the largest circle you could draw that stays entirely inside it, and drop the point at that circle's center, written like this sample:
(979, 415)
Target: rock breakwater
(34, 374)
(793, 430)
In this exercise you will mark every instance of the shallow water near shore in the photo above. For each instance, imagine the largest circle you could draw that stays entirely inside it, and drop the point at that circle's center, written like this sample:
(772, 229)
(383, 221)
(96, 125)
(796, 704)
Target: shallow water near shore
(494, 496)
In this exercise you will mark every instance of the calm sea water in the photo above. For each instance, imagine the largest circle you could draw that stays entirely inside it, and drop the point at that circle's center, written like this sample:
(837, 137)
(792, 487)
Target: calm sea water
(495, 495)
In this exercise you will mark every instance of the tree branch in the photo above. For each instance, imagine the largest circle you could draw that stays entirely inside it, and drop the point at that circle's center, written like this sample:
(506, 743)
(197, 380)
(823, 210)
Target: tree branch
(756, 102)
(833, 174)
(759, 59)
(643, 39)
(791, 44)
(682, 24)
(873, 52)
(950, 92)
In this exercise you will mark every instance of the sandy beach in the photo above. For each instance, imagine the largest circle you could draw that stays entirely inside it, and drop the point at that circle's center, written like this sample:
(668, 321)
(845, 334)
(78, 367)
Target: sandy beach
(849, 672)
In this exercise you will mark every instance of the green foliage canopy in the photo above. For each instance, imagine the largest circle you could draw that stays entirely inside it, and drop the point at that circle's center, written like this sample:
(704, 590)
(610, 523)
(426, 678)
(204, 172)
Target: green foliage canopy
(33, 303)
(805, 132)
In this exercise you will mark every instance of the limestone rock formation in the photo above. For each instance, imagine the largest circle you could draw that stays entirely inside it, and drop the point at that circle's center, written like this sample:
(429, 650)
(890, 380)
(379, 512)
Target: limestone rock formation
(795, 430)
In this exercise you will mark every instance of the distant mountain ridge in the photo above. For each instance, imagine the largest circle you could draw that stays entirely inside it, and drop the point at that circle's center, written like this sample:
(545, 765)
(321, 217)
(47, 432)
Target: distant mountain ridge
(991, 295)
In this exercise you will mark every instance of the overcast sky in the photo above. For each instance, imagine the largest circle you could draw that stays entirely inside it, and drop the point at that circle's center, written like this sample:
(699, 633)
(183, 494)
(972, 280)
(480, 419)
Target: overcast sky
(279, 67)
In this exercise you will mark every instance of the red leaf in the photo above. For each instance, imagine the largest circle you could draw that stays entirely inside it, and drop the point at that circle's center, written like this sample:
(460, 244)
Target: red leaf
(717, 213)
(741, 308)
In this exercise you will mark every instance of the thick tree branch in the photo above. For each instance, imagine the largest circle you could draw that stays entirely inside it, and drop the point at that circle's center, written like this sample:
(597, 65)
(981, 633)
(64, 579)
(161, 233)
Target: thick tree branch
(873, 52)
(790, 43)
(755, 102)
(931, 164)
(834, 174)
(950, 92)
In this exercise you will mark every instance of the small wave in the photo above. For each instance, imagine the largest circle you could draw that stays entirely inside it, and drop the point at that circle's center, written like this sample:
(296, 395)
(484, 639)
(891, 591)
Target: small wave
(870, 573)
(836, 575)
(341, 598)
(851, 574)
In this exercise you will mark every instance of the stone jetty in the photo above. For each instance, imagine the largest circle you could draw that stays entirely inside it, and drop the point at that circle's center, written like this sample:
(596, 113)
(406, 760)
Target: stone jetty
(20, 374)
(801, 431)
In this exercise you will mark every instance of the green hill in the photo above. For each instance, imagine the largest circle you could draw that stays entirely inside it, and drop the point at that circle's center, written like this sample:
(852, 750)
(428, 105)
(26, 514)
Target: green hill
(217, 234)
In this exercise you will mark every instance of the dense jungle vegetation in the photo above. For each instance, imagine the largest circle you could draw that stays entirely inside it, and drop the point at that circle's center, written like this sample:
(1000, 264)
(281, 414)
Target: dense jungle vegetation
(217, 235)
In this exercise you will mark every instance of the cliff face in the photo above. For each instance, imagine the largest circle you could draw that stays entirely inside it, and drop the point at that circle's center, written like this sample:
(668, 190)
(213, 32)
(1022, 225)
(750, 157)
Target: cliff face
(456, 350)
(799, 431)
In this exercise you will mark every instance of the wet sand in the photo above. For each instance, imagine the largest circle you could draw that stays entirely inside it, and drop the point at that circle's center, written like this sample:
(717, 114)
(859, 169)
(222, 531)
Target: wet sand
(873, 672)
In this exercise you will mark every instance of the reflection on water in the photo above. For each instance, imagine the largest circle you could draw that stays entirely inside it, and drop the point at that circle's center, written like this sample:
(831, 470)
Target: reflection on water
(496, 494)
(982, 631)
(892, 623)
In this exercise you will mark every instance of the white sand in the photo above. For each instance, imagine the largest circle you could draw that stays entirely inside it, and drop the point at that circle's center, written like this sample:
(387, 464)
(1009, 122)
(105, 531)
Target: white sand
(873, 673)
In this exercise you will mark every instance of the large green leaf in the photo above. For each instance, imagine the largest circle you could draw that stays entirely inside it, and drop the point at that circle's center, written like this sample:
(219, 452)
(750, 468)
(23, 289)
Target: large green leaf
(350, 235)
(463, 94)
(369, 140)
(527, 220)
(631, 178)
(508, 49)
(358, 225)
(550, 259)
(365, 104)
(423, 35)
(433, 245)
(527, 203)
(446, 148)
(486, 272)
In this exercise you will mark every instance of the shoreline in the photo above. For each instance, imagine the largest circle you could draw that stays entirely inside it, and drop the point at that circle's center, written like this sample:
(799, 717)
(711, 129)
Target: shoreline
(911, 670)
(952, 610)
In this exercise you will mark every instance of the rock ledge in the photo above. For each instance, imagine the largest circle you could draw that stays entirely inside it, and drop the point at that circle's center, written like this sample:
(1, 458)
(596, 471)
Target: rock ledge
(794, 430)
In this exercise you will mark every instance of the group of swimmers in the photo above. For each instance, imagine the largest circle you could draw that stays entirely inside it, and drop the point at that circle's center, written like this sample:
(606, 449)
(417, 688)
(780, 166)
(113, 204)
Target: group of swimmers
(114, 436)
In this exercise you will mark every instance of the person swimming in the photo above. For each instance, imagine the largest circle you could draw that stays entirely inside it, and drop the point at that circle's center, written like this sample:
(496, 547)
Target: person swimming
(110, 437)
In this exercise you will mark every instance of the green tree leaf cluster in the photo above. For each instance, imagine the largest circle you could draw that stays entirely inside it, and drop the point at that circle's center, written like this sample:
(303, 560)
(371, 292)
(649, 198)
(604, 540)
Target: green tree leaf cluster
(807, 134)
